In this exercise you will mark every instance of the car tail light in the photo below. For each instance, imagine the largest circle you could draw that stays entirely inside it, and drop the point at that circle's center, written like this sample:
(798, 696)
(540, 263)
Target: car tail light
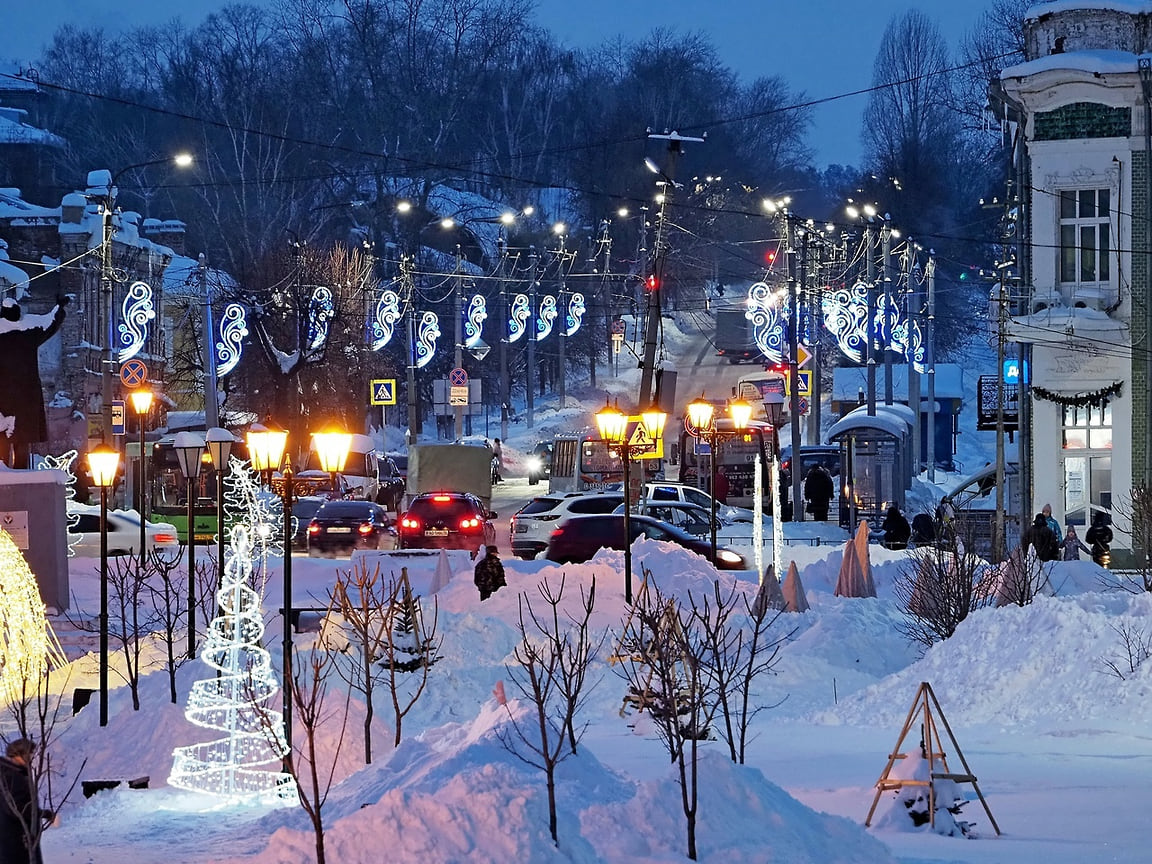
(410, 523)
(469, 523)
(556, 532)
(366, 527)
(164, 538)
(441, 499)
(313, 527)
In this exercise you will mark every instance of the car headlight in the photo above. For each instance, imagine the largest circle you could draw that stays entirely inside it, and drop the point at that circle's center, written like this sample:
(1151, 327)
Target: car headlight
(535, 463)
(728, 556)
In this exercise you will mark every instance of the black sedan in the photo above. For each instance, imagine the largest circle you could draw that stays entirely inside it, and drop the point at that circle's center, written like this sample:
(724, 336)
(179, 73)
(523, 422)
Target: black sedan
(342, 526)
(580, 537)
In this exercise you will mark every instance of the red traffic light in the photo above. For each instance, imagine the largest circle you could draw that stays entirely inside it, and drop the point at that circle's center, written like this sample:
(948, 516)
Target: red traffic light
(652, 283)
(770, 257)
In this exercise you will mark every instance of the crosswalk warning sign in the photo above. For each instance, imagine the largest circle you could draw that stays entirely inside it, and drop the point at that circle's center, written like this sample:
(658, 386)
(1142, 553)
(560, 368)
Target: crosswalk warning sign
(641, 445)
(383, 391)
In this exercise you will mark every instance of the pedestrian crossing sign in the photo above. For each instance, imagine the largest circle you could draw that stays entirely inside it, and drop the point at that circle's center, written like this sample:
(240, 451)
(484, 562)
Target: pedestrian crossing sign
(641, 445)
(383, 391)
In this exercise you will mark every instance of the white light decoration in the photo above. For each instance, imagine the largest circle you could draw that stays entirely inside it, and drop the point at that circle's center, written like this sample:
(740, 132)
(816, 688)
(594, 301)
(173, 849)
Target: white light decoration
(235, 701)
(518, 317)
(321, 309)
(426, 335)
(64, 463)
(28, 647)
(233, 332)
(546, 317)
(133, 327)
(575, 314)
(768, 314)
(384, 320)
(474, 320)
(845, 311)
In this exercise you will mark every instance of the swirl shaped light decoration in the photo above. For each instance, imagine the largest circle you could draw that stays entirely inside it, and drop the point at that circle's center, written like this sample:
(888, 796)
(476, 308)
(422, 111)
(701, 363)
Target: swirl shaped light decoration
(426, 335)
(235, 699)
(518, 317)
(137, 311)
(27, 644)
(845, 311)
(909, 342)
(321, 310)
(63, 463)
(474, 320)
(546, 317)
(233, 332)
(384, 319)
(575, 315)
(768, 316)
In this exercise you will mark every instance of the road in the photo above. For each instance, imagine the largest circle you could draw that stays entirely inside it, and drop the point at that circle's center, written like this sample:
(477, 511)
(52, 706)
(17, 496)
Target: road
(699, 369)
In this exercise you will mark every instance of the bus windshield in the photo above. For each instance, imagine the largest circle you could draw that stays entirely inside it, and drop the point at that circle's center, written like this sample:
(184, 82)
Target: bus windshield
(168, 498)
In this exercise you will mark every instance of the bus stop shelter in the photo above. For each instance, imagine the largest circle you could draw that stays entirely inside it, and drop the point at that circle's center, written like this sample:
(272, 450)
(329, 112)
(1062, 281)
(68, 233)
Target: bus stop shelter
(875, 462)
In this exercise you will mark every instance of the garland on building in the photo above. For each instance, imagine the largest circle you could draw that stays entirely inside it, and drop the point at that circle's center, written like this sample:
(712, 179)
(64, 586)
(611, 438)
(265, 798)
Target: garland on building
(1094, 398)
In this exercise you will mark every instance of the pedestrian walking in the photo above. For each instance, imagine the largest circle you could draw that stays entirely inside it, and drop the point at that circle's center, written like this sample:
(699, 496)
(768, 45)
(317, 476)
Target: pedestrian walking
(489, 573)
(818, 491)
(1071, 545)
(1099, 537)
(22, 820)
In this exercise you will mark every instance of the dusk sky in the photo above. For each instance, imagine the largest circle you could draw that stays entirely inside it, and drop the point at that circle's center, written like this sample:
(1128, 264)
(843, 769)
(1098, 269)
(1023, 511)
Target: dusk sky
(823, 47)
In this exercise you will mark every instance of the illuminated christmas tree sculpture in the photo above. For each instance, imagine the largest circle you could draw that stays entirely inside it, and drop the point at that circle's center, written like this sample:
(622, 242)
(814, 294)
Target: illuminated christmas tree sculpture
(236, 702)
(27, 644)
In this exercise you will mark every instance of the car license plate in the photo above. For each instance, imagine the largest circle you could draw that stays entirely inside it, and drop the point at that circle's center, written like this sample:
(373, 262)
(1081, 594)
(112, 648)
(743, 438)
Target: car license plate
(521, 529)
(436, 532)
(340, 529)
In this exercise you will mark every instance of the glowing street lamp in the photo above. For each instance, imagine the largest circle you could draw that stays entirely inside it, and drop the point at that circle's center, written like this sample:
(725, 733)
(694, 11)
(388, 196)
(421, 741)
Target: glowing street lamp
(141, 399)
(219, 443)
(102, 464)
(701, 423)
(332, 448)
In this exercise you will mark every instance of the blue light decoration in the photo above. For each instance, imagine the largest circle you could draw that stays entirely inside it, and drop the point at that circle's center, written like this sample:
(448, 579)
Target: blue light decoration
(909, 343)
(321, 309)
(233, 331)
(845, 311)
(518, 317)
(575, 314)
(426, 335)
(133, 327)
(547, 317)
(768, 317)
(384, 319)
(474, 320)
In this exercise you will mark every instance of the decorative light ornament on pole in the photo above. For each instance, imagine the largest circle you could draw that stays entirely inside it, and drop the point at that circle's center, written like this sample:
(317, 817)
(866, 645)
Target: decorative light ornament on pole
(102, 464)
(219, 443)
(189, 449)
(141, 399)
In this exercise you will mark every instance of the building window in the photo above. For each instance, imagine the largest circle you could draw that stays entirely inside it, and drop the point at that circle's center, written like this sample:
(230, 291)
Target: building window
(1087, 427)
(1087, 474)
(1085, 242)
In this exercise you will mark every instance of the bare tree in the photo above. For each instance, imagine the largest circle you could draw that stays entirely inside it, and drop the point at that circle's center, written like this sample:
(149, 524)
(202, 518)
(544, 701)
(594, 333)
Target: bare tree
(1135, 648)
(551, 670)
(1138, 509)
(409, 648)
(665, 668)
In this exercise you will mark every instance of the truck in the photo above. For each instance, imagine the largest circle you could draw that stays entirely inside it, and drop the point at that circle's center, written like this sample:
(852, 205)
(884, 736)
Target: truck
(735, 338)
(450, 468)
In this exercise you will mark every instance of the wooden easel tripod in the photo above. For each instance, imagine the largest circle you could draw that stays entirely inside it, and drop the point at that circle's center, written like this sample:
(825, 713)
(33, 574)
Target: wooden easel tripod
(922, 709)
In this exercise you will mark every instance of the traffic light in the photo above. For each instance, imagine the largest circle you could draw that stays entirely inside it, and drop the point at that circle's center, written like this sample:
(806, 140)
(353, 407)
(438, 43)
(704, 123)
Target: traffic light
(653, 283)
(770, 257)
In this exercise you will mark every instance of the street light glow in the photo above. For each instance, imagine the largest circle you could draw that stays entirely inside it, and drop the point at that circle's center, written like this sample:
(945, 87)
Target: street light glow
(183, 160)
(403, 206)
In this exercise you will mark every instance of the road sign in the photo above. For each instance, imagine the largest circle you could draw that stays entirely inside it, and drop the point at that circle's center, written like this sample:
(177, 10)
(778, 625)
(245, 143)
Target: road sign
(640, 445)
(118, 417)
(619, 328)
(804, 405)
(133, 373)
(804, 379)
(803, 355)
(458, 377)
(458, 395)
(382, 391)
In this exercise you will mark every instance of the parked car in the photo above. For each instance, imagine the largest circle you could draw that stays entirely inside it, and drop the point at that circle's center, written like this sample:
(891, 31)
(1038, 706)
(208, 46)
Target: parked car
(341, 526)
(123, 533)
(447, 520)
(666, 490)
(393, 484)
(827, 455)
(531, 526)
(539, 462)
(302, 512)
(580, 537)
(690, 518)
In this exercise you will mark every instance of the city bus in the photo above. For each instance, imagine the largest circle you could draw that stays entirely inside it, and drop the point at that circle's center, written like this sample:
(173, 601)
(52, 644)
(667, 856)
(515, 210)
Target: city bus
(168, 501)
(582, 462)
(737, 460)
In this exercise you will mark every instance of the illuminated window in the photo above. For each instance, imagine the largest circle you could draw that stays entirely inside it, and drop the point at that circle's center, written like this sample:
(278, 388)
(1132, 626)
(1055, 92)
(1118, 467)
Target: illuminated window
(1087, 427)
(1085, 241)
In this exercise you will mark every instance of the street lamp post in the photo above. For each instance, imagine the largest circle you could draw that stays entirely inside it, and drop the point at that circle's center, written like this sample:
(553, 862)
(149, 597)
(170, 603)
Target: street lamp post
(189, 449)
(701, 422)
(102, 464)
(219, 443)
(613, 426)
(141, 405)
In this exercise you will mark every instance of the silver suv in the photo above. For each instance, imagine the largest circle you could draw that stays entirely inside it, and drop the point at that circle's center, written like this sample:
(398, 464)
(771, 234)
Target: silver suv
(531, 527)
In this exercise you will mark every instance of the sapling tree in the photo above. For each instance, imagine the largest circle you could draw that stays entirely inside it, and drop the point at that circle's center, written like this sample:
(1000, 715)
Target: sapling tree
(167, 592)
(409, 648)
(551, 673)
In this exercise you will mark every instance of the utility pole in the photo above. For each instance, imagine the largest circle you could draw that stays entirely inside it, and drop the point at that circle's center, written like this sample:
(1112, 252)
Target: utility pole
(886, 327)
(458, 332)
(652, 320)
(106, 291)
(913, 307)
(211, 394)
(793, 365)
(531, 370)
(930, 359)
(870, 324)
(562, 314)
(1001, 333)
(414, 420)
(505, 383)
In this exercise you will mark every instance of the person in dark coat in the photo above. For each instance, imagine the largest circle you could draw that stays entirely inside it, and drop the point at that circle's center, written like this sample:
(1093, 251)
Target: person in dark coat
(721, 486)
(923, 529)
(1040, 537)
(22, 393)
(489, 574)
(896, 529)
(1099, 537)
(1071, 545)
(818, 491)
(21, 817)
